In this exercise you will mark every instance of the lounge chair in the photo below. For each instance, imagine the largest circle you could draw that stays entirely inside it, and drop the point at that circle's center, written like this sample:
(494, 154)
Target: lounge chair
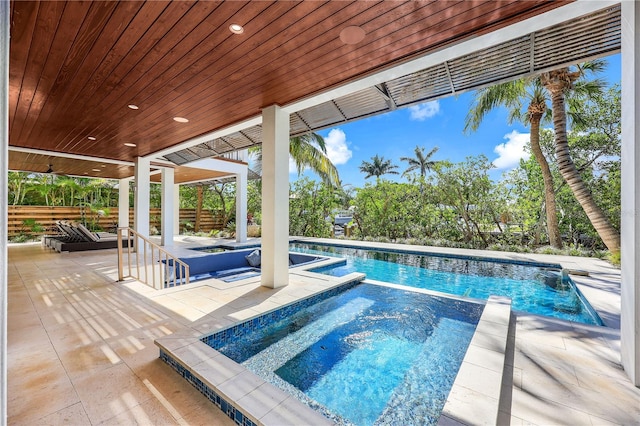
(76, 237)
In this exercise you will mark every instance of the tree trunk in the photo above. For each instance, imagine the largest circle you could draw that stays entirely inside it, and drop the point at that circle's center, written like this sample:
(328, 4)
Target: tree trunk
(198, 209)
(549, 195)
(609, 235)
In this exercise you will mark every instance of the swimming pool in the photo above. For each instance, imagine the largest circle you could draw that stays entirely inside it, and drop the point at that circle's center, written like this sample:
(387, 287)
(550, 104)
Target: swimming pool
(539, 289)
(370, 354)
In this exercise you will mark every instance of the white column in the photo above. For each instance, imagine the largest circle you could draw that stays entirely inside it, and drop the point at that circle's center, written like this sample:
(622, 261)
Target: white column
(141, 203)
(167, 211)
(241, 206)
(4, 197)
(176, 209)
(123, 203)
(275, 197)
(630, 215)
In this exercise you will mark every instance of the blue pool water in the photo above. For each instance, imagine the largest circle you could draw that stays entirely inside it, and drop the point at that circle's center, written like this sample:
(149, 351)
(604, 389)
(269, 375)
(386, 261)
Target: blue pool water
(538, 290)
(371, 354)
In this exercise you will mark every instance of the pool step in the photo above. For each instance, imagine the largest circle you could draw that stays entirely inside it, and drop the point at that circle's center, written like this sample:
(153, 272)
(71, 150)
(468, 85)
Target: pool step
(475, 396)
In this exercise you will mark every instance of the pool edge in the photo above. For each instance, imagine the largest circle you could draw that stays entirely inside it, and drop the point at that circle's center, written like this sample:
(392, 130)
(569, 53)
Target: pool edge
(475, 395)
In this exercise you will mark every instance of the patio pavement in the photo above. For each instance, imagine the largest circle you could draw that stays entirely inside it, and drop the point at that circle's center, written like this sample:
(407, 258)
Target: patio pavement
(81, 351)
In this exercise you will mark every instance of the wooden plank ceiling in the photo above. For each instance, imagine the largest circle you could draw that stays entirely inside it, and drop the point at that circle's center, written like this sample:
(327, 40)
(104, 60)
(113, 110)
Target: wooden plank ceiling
(76, 66)
(40, 163)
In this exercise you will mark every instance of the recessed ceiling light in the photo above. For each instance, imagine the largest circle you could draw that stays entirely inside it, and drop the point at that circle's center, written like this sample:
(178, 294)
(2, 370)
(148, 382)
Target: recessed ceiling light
(181, 119)
(236, 28)
(91, 138)
(352, 35)
(129, 144)
(96, 170)
(103, 165)
(132, 106)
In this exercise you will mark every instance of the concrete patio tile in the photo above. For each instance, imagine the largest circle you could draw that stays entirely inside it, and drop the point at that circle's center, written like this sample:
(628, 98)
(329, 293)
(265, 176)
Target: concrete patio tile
(479, 379)
(211, 323)
(218, 369)
(598, 348)
(110, 392)
(195, 353)
(548, 338)
(282, 415)
(135, 351)
(37, 391)
(471, 407)
(240, 385)
(71, 415)
(20, 304)
(597, 421)
(262, 400)
(179, 308)
(185, 403)
(242, 303)
(55, 318)
(86, 360)
(243, 315)
(595, 379)
(560, 357)
(546, 374)
(618, 406)
(486, 358)
(205, 414)
(27, 339)
(73, 335)
(517, 377)
(500, 329)
(150, 412)
(515, 421)
(124, 322)
(489, 341)
(532, 408)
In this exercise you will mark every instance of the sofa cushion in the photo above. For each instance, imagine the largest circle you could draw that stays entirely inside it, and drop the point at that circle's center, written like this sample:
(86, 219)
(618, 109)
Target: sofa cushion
(253, 258)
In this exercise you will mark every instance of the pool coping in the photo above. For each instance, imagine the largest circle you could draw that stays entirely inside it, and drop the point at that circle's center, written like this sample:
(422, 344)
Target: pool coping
(475, 395)
(250, 400)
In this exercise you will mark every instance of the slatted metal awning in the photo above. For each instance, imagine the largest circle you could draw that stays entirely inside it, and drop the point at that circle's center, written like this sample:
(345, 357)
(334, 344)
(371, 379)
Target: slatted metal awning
(588, 37)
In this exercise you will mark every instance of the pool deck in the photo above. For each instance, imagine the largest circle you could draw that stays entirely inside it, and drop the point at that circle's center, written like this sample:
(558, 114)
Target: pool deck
(81, 346)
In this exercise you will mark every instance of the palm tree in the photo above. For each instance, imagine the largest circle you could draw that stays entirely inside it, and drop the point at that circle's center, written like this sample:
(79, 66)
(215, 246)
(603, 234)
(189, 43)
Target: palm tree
(511, 94)
(560, 83)
(378, 167)
(421, 161)
(307, 151)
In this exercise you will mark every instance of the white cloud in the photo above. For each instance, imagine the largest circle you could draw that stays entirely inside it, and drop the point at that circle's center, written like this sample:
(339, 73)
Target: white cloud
(292, 166)
(510, 152)
(423, 111)
(337, 149)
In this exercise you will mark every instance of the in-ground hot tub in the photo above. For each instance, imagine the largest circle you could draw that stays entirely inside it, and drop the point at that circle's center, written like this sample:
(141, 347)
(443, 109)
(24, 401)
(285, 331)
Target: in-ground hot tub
(230, 265)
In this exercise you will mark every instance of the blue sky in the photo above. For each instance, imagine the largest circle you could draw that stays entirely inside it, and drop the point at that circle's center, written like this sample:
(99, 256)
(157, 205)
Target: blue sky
(439, 123)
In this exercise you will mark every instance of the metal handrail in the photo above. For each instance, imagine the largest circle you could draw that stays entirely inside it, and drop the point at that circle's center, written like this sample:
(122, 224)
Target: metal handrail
(140, 250)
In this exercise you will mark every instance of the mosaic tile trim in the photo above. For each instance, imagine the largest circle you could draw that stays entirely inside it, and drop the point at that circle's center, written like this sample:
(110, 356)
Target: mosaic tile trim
(429, 253)
(222, 337)
(229, 409)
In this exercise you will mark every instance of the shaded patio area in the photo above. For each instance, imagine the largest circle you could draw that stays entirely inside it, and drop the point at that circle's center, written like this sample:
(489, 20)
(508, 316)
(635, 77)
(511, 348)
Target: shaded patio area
(81, 349)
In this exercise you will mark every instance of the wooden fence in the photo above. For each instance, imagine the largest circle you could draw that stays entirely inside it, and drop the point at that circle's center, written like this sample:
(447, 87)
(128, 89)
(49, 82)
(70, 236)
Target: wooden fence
(38, 220)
